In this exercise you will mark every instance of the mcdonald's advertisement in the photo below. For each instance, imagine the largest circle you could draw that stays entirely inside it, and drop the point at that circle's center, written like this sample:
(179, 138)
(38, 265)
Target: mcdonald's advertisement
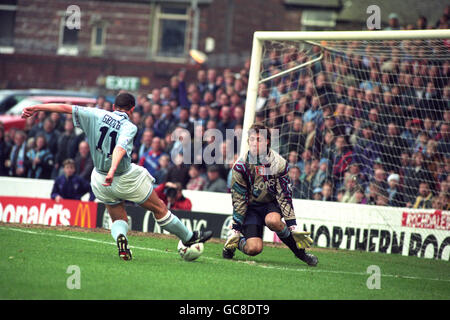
(48, 212)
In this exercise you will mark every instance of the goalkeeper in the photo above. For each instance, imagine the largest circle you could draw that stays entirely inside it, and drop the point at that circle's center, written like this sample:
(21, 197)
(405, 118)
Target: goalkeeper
(261, 195)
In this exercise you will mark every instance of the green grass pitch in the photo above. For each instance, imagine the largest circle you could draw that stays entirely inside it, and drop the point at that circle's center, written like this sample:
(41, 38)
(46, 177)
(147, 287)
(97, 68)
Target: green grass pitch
(34, 262)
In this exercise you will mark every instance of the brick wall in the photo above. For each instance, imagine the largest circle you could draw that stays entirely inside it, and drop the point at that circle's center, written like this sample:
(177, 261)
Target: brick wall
(128, 41)
(38, 25)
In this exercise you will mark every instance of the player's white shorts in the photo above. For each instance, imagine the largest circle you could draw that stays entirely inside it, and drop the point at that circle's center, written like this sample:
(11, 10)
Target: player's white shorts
(135, 185)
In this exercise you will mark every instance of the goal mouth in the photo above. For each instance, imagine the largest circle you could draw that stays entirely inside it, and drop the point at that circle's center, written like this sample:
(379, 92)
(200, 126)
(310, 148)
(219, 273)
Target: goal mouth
(365, 113)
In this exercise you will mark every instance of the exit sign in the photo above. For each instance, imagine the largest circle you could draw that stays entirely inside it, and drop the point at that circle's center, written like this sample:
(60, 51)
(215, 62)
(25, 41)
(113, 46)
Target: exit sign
(122, 83)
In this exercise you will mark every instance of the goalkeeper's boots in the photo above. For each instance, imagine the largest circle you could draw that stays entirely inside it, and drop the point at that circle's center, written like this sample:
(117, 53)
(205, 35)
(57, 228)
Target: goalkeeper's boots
(199, 236)
(308, 258)
(231, 244)
(124, 251)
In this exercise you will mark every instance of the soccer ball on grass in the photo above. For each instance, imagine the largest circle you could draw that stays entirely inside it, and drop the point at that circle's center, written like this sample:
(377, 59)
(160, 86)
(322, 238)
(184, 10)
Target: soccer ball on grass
(190, 253)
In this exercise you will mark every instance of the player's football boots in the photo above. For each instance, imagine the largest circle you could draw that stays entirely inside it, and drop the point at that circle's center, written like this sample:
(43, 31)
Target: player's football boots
(124, 251)
(231, 244)
(199, 236)
(308, 258)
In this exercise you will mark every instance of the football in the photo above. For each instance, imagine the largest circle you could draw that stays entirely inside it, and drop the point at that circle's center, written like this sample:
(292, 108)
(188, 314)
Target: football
(190, 253)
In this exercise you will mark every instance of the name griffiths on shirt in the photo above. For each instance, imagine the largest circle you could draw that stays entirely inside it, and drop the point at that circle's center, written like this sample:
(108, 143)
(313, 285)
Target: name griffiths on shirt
(111, 122)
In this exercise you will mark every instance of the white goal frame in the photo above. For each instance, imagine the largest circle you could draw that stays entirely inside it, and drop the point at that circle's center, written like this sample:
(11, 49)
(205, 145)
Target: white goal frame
(257, 51)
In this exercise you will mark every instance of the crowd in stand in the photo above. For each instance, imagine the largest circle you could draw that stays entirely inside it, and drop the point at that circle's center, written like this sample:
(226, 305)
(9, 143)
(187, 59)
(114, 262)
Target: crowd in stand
(354, 128)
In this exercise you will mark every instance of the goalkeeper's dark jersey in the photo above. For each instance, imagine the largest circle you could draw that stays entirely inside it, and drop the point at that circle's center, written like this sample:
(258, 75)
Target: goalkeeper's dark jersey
(253, 181)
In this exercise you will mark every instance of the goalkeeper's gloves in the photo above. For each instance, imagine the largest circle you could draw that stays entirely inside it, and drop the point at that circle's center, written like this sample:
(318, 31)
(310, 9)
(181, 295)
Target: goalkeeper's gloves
(302, 239)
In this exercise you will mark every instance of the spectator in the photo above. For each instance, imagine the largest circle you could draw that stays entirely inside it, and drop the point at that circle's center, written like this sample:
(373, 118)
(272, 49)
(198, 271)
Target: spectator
(145, 145)
(424, 198)
(392, 147)
(432, 158)
(150, 161)
(16, 161)
(58, 121)
(393, 22)
(50, 135)
(360, 196)
(444, 142)
(166, 122)
(83, 161)
(340, 194)
(67, 144)
(327, 191)
(5, 150)
(341, 160)
(314, 113)
(317, 194)
(366, 150)
(441, 202)
(414, 175)
(263, 97)
(328, 148)
(69, 185)
(305, 180)
(371, 195)
(161, 174)
(382, 198)
(394, 192)
(293, 158)
(321, 175)
(226, 122)
(306, 158)
(39, 160)
(196, 181)
(293, 138)
(38, 125)
(421, 143)
(179, 172)
(294, 175)
(171, 194)
(351, 185)
(184, 121)
(214, 182)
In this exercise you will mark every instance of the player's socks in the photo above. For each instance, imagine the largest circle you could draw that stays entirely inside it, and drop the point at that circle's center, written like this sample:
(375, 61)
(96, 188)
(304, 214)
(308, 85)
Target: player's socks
(286, 237)
(171, 223)
(119, 227)
(241, 244)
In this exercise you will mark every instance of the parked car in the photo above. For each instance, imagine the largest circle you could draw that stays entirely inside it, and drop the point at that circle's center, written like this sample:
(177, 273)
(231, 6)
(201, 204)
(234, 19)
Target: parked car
(13, 118)
(9, 98)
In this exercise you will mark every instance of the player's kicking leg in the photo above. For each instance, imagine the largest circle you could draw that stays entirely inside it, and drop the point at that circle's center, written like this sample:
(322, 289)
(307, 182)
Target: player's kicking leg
(171, 223)
(274, 223)
(119, 229)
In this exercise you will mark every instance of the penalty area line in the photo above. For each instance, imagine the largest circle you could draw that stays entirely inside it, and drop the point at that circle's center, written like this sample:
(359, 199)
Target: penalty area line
(252, 263)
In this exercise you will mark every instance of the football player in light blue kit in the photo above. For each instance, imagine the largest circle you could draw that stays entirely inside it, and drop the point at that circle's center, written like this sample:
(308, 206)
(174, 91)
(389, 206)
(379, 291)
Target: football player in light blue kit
(115, 179)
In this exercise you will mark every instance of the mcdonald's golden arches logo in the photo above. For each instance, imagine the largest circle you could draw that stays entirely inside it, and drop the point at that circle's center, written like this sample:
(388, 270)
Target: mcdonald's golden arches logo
(83, 215)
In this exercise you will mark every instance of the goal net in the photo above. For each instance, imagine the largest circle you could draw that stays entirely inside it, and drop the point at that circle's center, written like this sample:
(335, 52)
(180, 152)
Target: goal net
(364, 116)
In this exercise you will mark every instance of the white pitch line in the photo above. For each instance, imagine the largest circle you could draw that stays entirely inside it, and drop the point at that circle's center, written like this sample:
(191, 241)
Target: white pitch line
(252, 263)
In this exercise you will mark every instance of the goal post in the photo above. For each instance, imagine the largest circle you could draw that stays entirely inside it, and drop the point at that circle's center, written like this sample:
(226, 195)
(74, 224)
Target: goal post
(372, 109)
(388, 82)
(257, 55)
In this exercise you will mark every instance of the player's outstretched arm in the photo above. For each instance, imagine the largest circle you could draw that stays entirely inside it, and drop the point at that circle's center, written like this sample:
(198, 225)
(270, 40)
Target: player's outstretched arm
(117, 155)
(48, 107)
